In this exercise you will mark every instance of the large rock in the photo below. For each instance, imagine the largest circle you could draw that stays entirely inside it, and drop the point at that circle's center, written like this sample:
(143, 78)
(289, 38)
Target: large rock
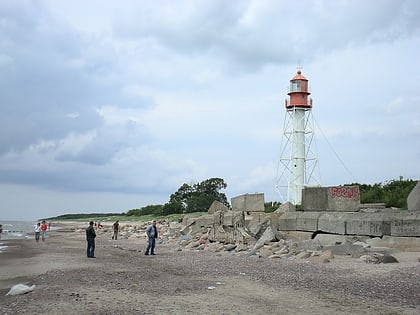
(409, 244)
(266, 233)
(346, 249)
(413, 200)
(286, 207)
(217, 206)
(331, 239)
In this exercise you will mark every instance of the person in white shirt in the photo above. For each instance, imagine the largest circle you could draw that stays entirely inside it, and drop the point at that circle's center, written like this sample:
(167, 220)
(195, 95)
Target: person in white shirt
(37, 231)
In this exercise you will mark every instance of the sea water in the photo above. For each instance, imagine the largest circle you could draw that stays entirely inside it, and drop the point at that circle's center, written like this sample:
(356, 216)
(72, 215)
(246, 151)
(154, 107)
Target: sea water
(16, 230)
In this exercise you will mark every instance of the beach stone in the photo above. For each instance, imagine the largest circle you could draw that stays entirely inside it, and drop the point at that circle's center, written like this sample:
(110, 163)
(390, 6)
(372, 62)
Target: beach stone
(274, 256)
(264, 252)
(230, 247)
(345, 249)
(389, 259)
(194, 244)
(303, 255)
(311, 245)
(241, 248)
(328, 254)
(318, 260)
(283, 250)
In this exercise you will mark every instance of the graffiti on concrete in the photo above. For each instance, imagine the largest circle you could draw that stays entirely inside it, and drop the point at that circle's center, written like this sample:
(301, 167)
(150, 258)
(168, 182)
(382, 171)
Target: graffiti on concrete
(350, 192)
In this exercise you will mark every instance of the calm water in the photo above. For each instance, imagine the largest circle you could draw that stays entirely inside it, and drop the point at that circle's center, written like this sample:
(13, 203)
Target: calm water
(16, 230)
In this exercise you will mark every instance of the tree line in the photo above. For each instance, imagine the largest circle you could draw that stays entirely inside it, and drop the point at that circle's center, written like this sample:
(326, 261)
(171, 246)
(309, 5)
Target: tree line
(198, 197)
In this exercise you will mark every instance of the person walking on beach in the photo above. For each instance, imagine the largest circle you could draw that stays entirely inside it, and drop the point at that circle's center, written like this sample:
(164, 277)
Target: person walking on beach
(116, 227)
(37, 231)
(90, 238)
(44, 228)
(152, 234)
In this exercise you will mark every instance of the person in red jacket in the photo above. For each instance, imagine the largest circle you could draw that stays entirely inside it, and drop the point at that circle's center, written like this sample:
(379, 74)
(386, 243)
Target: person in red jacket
(44, 228)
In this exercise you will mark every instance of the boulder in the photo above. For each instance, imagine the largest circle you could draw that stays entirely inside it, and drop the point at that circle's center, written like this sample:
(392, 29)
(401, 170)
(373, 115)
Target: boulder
(217, 206)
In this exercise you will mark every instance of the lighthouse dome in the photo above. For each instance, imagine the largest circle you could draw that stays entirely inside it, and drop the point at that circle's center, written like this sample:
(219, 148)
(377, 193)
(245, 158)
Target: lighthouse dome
(299, 76)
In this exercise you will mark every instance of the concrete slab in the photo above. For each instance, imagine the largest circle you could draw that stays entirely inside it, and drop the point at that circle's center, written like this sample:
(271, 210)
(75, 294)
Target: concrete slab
(406, 223)
(307, 221)
(287, 222)
(333, 222)
(248, 203)
(372, 224)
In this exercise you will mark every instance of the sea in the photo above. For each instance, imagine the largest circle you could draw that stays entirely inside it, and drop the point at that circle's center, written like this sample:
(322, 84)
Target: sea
(17, 230)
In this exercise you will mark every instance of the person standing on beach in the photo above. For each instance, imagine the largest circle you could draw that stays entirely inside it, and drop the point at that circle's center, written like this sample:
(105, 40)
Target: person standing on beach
(44, 228)
(116, 227)
(1, 230)
(37, 231)
(152, 235)
(90, 238)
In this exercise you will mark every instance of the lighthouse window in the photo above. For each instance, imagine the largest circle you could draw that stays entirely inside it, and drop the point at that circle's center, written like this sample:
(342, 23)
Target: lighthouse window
(295, 86)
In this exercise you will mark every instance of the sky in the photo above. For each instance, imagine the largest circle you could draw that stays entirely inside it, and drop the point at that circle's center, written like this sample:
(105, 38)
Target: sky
(107, 106)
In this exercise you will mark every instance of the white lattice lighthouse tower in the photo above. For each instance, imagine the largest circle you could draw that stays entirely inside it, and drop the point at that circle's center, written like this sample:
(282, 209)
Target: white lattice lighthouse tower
(298, 161)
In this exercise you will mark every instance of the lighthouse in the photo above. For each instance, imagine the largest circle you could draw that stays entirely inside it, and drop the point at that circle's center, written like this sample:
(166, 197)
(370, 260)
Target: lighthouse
(298, 161)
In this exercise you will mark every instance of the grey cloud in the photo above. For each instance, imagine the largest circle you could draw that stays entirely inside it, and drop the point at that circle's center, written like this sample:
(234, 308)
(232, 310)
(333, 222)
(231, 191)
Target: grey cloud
(278, 33)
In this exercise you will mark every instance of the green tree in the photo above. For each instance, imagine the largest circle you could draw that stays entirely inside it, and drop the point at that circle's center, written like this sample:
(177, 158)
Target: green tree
(271, 206)
(394, 193)
(196, 197)
(150, 209)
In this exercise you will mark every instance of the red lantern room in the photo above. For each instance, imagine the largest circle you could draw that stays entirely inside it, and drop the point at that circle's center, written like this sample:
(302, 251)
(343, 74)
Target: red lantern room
(299, 92)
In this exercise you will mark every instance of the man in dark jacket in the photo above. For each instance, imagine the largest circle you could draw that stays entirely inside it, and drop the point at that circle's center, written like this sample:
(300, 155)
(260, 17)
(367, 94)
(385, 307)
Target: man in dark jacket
(90, 237)
(152, 235)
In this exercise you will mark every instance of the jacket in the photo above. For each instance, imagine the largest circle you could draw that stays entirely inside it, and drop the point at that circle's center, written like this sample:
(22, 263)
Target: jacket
(90, 233)
(152, 232)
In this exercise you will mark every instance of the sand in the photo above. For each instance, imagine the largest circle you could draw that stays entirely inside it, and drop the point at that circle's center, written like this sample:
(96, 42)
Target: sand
(122, 280)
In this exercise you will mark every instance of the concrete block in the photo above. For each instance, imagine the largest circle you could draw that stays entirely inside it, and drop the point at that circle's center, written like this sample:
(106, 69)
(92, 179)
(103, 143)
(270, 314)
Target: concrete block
(287, 222)
(248, 203)
(372, 224)
(337, 198)
(307, 221)
(204, 220)
(343, 198)
(315, 198)
(217, 206)
(333, 222)
(406, 223)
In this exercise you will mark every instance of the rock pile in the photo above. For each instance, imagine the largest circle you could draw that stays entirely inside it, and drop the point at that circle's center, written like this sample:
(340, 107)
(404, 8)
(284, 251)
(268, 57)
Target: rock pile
(270, 245)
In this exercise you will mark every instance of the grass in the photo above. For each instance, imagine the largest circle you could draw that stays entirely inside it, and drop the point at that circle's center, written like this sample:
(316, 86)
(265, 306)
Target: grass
(126, 218)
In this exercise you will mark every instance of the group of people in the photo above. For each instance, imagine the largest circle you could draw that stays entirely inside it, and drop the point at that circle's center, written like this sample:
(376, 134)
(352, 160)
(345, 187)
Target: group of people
(151, 231)
(41, 231)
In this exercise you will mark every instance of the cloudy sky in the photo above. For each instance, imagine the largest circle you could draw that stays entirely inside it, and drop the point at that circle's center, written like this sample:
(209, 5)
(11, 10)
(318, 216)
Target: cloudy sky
(107, 106)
